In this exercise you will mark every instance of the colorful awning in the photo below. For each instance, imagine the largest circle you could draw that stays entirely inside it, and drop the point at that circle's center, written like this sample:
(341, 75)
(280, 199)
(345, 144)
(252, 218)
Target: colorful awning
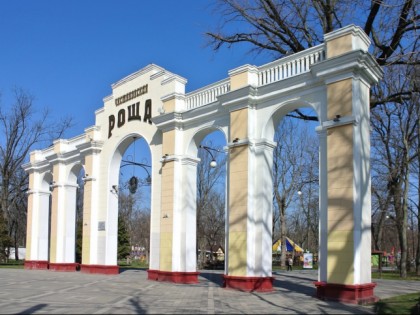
(290, 245)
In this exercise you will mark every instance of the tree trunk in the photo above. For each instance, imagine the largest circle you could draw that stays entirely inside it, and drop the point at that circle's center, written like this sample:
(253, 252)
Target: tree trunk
(418, 193)
(16, 249)
(283, 231)
(418, 245)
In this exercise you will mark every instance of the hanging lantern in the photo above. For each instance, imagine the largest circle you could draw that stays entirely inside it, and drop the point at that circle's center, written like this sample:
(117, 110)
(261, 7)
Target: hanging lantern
(132, 184)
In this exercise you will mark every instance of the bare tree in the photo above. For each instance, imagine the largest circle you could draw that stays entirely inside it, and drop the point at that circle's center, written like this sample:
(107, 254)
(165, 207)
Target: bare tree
(136, 220)
(23, 130)
(394, 151)
(415, 79)
(281, 27)
(140, 232)
(210, 203)
(293, 167)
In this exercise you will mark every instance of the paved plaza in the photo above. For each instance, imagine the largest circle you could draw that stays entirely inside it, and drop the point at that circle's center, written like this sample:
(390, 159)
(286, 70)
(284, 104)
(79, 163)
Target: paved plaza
(49, 292)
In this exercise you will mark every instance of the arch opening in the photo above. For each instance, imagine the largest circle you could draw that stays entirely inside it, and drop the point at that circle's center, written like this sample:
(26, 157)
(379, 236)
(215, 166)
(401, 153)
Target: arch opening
(211, 199)
(133, 194)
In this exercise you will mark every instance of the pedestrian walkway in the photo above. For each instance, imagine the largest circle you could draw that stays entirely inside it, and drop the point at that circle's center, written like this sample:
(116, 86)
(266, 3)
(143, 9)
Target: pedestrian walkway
(43, 291)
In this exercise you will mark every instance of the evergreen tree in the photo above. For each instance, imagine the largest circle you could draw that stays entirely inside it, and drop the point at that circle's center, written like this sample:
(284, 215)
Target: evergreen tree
(79, 241)
(124, 248)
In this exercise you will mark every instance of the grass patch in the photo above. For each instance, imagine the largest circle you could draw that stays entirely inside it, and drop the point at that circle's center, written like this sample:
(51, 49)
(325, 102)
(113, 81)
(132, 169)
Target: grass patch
(394, 275)
(278, 267)
(402, 304)
(12, 264)
(134, 264)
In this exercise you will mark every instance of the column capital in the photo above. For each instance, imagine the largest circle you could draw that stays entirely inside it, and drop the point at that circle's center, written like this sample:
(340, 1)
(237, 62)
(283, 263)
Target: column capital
(262, 144)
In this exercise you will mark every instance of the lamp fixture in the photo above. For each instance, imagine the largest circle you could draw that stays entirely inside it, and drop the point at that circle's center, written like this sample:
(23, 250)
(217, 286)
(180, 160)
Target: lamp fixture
(134, 181)
(52, 185)
(114, 189)
(213, 162)
(163, 158)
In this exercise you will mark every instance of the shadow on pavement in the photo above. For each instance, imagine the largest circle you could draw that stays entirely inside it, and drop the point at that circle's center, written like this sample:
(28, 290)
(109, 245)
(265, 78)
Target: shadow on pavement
(34, 309)
(214, 277)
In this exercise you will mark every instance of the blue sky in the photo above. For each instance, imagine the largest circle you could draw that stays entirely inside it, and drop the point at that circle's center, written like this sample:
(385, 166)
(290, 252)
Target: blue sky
(68, 53)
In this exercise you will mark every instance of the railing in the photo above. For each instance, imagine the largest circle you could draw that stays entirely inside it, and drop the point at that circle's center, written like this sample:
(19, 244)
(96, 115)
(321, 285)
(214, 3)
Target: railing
(290, 66)
(271, 72)
(207, 94)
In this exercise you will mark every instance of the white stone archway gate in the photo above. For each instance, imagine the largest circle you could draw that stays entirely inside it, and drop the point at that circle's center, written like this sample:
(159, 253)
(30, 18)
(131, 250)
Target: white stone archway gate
(333, 79)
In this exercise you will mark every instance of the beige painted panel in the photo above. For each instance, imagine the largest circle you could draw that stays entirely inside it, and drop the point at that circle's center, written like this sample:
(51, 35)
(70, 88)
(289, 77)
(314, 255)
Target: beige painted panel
(57, 147)
(238, 195)
(340, 236)
(238, 220)
(167, 205)
(340, 268)
(169, 170)
(341, 168)
(168, 144)
(339, 45)
(89, 164)
(238, 164)
(165, 251)
(29, 225)
(169, 106)
(341, 136)
(340, 214)
(53, 236)
(345, 192)
(238, 81)
(341, 246)
(339, 98)
(342, 225)
(29, 218)
(239, 124)
(90, 134)
(340, 197)
(341, 205)
(341, 277)
(240, 175)
(340, 179)
(167, 227)
(340, 140)
(31, 181)
(87, 212)
(238, 189)
(87, 223)
(237, 253)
